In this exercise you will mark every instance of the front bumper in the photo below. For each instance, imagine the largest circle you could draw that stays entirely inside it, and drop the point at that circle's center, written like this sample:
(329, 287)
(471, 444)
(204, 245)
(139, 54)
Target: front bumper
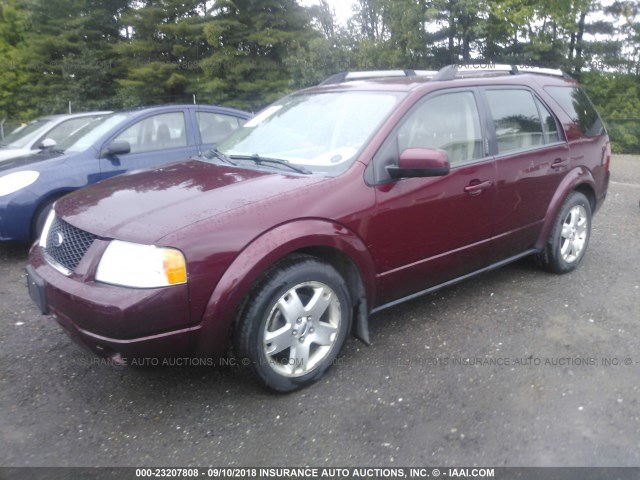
(117, 322)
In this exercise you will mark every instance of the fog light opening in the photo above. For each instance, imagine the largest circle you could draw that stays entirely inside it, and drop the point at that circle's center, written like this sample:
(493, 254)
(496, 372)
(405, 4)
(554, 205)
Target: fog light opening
(117, 359)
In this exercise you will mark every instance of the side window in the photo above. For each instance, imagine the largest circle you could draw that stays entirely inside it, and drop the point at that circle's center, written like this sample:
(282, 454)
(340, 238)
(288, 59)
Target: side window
(516, 119)
(579, 108)
(216, 126)
(448, 122)
(549, 125)
(65, 129)
(159, 132)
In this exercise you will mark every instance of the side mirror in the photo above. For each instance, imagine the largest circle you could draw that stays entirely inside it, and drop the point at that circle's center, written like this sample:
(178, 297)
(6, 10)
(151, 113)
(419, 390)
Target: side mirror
(420, 162)
(118, 147)
(47, 143)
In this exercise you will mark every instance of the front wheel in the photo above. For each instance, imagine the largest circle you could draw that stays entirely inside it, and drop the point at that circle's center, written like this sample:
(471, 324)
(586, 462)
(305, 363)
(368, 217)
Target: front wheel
(570, 235)
(294, 324)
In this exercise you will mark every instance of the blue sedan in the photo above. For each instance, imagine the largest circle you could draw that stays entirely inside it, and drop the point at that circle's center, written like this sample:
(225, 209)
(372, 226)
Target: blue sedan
(108, 146)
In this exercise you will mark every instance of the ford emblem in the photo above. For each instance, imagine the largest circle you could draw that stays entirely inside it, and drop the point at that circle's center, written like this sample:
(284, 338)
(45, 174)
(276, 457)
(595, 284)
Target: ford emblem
(58, 240)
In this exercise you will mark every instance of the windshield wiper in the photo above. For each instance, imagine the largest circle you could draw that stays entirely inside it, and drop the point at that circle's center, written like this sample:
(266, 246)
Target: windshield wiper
(275, 161)
(219, 155)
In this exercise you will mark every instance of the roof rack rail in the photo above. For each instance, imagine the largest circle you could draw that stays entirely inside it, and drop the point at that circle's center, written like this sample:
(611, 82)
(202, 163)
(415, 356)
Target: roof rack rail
(451, 72)
(370, 74)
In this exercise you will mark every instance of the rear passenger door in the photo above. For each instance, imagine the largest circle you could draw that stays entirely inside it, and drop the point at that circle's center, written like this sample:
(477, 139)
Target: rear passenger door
(532, 157)
(154, 140)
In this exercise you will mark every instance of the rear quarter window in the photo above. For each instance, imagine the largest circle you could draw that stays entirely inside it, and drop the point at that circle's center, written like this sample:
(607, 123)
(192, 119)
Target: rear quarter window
(577, 105)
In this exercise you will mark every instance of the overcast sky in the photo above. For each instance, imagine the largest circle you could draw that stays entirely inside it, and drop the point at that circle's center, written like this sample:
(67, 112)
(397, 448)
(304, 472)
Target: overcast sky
(343, 8)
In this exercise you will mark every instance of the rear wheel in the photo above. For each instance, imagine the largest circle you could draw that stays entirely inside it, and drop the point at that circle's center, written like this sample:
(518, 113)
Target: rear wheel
(294, 323)
(570, 235)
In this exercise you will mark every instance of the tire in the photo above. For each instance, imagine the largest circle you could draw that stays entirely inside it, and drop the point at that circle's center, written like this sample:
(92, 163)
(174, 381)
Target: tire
(570, 235)
(294, 323)
(40, 219)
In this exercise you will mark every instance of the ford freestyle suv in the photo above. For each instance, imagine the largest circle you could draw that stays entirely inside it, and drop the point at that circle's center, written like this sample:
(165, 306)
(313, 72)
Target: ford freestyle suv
(331, 204)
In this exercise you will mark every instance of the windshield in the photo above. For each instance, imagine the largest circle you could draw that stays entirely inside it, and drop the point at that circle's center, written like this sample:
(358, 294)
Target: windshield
(86, 136)
(21, 136)
(322, 132)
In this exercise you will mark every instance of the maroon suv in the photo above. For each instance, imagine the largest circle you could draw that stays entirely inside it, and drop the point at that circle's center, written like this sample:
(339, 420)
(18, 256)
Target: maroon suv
(331, 204)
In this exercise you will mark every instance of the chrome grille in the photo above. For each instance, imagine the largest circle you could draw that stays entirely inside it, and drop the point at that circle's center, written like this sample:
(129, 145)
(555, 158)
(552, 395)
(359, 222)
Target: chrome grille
(66, 244)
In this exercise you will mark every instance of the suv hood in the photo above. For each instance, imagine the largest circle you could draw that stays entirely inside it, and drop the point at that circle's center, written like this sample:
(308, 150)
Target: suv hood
(145, 206)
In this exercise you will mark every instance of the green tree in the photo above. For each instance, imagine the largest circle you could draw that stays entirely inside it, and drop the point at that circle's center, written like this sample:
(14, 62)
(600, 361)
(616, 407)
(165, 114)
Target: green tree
(389, 34)
(13, 72)
(162, 51)
(67, 52)
(617, 98)
(251, 41)
(457, 27)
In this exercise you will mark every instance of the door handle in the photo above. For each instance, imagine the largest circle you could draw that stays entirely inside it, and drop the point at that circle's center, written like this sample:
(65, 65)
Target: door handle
(476, 188)
(560, 162)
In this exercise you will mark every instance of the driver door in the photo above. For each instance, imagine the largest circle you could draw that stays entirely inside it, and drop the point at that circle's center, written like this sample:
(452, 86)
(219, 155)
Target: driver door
(427, 231)
(155, 140)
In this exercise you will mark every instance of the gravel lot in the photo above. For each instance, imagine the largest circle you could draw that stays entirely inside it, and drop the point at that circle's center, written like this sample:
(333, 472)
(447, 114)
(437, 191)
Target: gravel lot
(513, 368)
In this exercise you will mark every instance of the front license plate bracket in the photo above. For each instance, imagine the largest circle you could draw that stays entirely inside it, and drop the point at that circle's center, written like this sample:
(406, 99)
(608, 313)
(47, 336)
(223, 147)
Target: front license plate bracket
(37, 290)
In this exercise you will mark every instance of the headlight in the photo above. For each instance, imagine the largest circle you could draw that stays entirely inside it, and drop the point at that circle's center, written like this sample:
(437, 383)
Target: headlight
(17, 181)
(141, 266)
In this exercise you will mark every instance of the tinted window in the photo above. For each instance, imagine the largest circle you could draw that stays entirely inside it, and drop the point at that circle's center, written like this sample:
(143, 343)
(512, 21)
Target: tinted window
(159, 132)
(215, 126)
(549, 125)
(448, 122)
(579, 108)
(516, 120)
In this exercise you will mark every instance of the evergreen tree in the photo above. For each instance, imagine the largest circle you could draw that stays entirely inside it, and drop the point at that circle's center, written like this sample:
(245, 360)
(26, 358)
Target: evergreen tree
(68, 52)
(162, 52)
(251, 41)
(13, 72)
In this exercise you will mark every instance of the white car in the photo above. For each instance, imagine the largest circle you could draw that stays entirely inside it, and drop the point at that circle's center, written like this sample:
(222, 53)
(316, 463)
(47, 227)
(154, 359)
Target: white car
(42, 133)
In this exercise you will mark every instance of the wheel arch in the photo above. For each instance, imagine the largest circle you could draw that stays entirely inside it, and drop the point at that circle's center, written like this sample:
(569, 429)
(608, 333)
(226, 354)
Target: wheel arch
(352, 276)
(578, 179)
(589, 192)
(325, 240)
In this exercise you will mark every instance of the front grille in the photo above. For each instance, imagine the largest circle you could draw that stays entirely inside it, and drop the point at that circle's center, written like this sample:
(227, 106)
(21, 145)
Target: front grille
(66, 244)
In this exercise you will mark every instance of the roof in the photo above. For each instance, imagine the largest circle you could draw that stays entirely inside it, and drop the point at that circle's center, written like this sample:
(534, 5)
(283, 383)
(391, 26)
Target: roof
(160, 108)
(74, 115)
(458, 75)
